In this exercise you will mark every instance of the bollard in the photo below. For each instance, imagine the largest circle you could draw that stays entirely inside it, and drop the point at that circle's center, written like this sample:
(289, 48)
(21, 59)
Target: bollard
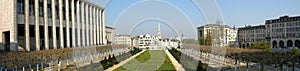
(235, 69)
(67, 62)
(59, 63)
(23, 69)
(42, 65)
(37, 67)
(29, 66)
(16, 68)
(50, 65)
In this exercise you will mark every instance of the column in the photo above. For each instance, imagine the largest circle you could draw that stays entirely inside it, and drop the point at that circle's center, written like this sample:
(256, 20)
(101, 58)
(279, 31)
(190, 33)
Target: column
(103, 27)
(54, 24)
(94, 25)
(46, 25)
(27, 37)
(78, 23)
(97, 26)
(67, 22)
(73, 23)
(37, 25)
(61, 25)
(87, 24)
(83, 23)
(100, 27)
(91, 25)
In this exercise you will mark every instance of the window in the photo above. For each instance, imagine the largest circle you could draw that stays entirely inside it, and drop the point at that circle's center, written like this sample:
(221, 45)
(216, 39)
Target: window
(41, 11)
(31, 7)
(31, 10)
(49, 12)
(20, 7)
(41, 8)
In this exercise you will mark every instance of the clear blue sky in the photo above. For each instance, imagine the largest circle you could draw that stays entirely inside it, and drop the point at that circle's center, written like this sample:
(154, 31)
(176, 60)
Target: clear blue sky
(183, 16)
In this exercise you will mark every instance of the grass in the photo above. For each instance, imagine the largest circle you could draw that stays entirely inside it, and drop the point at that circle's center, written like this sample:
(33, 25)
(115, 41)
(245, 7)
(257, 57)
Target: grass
(167, 66)
(121, 69)
(153, 60)
(144, 57)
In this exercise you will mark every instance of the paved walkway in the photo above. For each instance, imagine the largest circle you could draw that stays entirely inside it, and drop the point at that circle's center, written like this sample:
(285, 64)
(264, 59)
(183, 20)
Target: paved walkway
(124, 62)
(174, 62)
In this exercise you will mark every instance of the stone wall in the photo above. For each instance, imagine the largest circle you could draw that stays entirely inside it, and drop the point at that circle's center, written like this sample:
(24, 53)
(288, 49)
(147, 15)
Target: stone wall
(7, 22)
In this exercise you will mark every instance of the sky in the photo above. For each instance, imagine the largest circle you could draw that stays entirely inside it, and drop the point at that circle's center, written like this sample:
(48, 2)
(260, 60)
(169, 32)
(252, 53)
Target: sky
(178, 17)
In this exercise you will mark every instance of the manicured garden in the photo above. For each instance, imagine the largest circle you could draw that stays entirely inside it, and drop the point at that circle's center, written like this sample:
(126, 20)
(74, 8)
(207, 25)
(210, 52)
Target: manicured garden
(149, 60)
(41, 59)
(110, 61)
(187, 62)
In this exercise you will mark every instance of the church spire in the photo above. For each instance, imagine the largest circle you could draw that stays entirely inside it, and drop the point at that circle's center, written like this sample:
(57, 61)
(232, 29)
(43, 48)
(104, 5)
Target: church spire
(158, 30)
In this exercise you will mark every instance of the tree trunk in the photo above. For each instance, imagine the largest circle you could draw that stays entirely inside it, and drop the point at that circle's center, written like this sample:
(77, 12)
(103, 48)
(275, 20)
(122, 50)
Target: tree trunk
(236, 61)
(293, 65)
(247, 66)
(261, 67)
(281, 67)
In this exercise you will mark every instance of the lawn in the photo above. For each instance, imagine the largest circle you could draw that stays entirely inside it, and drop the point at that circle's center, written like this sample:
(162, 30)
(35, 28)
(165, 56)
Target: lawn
(150, 60)
(167, 66)
(144, 57)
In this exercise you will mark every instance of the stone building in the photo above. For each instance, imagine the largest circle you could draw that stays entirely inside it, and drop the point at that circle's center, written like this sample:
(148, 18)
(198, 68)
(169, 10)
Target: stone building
(230, 34)
(122, 40)
(110, 31)
(284, 32)
(50, 24)
(249, 34)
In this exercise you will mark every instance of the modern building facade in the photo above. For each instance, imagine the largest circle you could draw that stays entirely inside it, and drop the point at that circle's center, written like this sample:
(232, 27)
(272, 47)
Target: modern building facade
(110, 31)
(50, 24)
(230, 34)
(283, 32)
(122, 40)
(249, 34)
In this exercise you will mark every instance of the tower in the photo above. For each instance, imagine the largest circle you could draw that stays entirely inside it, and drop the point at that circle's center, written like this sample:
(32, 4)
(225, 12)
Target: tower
(158, 31)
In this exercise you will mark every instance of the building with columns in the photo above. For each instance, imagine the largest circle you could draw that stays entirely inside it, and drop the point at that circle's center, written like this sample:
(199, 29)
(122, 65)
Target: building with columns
(28, 25)
(284, 31)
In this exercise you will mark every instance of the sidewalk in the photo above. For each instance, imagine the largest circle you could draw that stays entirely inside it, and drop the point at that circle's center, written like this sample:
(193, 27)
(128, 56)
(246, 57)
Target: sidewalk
(174, 62)
(124, 62)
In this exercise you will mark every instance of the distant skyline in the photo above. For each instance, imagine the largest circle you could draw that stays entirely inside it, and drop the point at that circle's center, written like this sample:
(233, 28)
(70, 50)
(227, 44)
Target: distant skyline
(185, 13)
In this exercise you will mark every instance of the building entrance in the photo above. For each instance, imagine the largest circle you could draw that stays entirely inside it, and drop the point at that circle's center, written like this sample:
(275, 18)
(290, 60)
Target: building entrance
(6, 42)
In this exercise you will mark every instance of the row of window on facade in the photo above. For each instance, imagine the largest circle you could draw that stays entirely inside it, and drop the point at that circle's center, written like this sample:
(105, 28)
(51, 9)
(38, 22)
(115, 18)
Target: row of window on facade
(287, 24)
(278, 30)
(293, 29)
(20, 8)
(288, 35)
(278, 25)
(283, 20)
(293, 35)
(293, 24)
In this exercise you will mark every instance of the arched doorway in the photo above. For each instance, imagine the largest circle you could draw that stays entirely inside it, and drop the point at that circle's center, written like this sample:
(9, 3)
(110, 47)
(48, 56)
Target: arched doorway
(297, 43)
(248, 45)
(274, 44)
(281, 44)
(289, 43)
